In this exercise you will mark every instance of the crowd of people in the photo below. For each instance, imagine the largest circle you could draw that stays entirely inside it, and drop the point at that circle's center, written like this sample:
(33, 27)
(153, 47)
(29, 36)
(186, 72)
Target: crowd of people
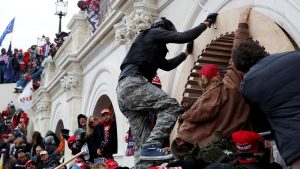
(219, 130)
(21, 67)
(94, 142)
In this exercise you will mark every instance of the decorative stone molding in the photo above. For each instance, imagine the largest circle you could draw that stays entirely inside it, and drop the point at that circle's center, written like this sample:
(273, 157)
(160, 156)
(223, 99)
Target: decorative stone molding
(120, 32)
(71, 83)
(43, 108)
(143, 16)
(48, 72)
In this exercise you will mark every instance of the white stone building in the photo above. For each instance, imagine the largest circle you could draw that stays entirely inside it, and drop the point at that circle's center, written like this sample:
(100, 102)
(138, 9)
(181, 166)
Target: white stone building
(83, 76)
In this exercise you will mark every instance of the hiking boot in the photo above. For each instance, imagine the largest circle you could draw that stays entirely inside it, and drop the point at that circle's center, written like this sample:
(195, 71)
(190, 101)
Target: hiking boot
(150, 152)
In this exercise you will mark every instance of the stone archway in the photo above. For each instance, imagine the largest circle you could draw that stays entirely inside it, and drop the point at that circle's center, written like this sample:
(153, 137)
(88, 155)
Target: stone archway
(105, 103)
(102, 103)
(59, 126)
(269, 34)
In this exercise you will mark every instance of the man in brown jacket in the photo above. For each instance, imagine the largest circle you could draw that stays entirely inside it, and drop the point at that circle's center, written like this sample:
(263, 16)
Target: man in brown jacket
(221, 107)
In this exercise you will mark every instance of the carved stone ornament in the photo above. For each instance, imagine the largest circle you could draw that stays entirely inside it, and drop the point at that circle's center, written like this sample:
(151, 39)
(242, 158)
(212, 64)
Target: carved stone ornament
(143, 16)
(70, 82)
(43, 107)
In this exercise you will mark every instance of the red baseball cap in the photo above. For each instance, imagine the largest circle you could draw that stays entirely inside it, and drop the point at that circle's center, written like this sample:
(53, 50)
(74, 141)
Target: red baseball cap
(156, 81)
(29, 162)
(4, 135)
(111, 164)
(105, 111)
(247, 142)
(209, 71)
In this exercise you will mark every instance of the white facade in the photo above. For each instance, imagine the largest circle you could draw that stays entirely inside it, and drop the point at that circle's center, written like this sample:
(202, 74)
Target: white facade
(83, 76)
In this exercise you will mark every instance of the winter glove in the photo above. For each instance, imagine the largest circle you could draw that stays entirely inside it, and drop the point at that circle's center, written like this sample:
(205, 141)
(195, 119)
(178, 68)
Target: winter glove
(211, 18)
(190, 47)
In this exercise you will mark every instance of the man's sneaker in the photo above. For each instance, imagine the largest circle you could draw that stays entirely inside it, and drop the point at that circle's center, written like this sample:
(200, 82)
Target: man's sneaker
(150, 152)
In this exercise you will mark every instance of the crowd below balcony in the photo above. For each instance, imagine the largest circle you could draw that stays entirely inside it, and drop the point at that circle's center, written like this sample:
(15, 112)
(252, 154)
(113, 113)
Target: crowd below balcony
(20, 67)
(95, 139)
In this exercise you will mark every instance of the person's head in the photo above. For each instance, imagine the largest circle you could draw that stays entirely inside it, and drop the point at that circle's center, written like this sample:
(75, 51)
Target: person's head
(93, 121)
(111, 164)
(165, 24)
(49, 140)
(38, 149)
(72, 144)
(3, 51)
(5, 137)
(209, 74)
(11, 107)
(82, 121)
(36, 137)
(247, 54)
(247, 142)
(99, 166)
(44, 155)
(30, 164)
(19, 111)
(106, 115)
(18, 142)
(16, 50)
(47, 40)
(82, 5)
(11, 137)
(21, 155)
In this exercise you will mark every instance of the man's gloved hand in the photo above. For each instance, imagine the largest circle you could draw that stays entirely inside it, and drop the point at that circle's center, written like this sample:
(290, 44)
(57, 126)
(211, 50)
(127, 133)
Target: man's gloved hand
(211, 18)
(190, 47)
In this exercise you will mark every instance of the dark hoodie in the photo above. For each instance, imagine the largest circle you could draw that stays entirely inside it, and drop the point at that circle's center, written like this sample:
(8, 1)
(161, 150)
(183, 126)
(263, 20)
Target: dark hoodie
(79, 117)
(50, 148)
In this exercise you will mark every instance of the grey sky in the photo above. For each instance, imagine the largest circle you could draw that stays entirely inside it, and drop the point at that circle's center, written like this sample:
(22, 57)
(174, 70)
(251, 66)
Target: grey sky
(33, 19)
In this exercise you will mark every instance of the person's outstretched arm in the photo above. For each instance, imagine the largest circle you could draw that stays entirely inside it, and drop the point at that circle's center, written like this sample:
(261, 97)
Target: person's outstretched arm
(242, 33)
(165, 36)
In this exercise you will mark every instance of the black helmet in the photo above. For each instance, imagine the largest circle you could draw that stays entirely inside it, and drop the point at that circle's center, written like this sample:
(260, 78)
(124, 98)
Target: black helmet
(164, 23)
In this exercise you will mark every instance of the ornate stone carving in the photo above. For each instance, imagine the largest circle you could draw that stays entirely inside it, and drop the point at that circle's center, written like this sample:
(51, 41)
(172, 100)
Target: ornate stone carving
(69, 82)
(43, 107)
(142, 17)
(72, 84)
(145, 15)
(120, 32)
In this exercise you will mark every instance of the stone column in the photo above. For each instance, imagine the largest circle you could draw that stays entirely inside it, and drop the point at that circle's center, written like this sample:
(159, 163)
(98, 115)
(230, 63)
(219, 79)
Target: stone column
(72, 84)
(48, 72)
(43, 111)
(79, 31)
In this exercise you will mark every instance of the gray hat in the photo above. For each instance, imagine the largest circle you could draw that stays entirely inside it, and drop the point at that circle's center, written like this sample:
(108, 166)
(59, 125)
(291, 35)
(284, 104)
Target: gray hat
(49, 140)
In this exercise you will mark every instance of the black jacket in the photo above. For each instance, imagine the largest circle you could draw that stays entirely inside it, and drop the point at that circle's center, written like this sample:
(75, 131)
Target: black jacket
(51, 163)
(94, 141)
(112, 146)
(149, 50)
(19, 165)
(273, 86)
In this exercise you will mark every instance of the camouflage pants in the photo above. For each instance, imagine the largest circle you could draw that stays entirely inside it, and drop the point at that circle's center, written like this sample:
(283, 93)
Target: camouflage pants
(137, 97)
